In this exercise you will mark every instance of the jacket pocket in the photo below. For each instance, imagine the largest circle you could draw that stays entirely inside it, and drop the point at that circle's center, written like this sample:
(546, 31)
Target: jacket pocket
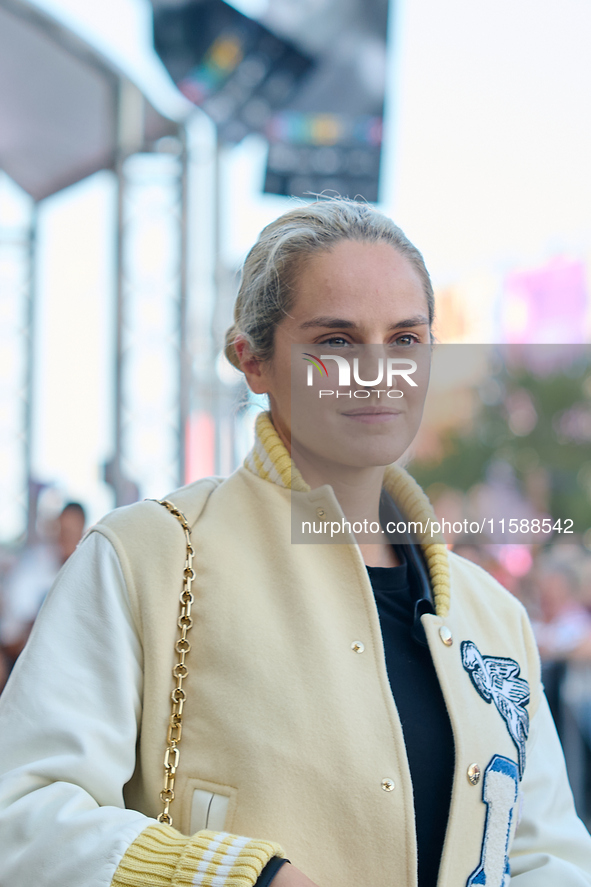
(209, 805)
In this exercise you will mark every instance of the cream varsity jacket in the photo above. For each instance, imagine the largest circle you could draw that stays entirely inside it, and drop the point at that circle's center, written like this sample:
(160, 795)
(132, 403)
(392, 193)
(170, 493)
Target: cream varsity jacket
(83, 722)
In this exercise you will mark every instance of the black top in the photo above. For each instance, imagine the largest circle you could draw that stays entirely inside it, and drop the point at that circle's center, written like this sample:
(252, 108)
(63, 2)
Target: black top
(419, 701)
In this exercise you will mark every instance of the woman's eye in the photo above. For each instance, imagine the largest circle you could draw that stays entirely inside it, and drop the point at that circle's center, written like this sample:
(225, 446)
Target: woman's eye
(406, 339)
(335, 342)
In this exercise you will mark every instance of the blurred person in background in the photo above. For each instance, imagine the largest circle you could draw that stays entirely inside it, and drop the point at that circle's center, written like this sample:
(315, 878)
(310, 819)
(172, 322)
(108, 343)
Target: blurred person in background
(563, 632)
(372, 710)
(481, 555)
(32, 577)
(562, 626)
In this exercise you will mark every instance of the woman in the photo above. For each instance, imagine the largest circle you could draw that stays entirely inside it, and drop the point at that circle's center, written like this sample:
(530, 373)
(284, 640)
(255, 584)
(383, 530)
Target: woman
(371, 710)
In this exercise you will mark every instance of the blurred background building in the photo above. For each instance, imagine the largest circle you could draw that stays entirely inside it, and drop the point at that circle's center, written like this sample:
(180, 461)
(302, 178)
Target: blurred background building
(144, 145)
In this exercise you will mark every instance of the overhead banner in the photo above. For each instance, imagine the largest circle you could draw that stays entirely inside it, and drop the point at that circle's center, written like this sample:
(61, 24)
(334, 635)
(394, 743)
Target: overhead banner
(329, 136)
(231, 66)
(311, 79)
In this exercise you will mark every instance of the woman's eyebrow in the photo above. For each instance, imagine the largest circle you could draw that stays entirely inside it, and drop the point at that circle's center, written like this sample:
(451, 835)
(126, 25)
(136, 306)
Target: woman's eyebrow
(418, 320)
(332, 323)
(328, 323)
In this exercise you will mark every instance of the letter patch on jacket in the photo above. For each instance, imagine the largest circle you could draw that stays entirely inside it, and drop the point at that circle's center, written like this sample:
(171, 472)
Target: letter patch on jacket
(497, 680)
(499, 792)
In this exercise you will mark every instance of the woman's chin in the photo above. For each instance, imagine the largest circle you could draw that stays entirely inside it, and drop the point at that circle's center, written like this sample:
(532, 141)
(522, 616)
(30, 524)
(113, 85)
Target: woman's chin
(353, 454)
(372, 459)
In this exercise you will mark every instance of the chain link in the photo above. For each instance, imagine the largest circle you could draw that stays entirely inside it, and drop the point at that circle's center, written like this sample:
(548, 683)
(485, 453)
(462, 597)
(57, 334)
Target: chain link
(180, 670)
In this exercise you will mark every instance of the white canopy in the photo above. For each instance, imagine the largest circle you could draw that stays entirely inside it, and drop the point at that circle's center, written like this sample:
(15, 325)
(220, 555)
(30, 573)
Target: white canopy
(59, 104)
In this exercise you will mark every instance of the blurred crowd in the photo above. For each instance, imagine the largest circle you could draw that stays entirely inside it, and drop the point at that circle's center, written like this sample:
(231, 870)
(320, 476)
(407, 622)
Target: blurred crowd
(28, 576)
(553, 583)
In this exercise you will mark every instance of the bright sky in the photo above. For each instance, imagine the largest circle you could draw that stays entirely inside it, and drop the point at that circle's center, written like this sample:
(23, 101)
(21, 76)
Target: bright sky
(486, 168)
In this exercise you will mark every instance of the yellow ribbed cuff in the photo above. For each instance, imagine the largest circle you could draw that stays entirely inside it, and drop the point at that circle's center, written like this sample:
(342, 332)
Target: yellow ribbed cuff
(152, 859)
(162, 857)
(238, 860)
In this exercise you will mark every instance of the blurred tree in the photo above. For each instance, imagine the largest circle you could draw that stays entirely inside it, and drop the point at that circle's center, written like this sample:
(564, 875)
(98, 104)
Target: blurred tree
(535, 419)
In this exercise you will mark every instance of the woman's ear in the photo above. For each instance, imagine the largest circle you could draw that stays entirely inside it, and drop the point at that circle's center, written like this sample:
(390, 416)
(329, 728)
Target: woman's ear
(253, 368)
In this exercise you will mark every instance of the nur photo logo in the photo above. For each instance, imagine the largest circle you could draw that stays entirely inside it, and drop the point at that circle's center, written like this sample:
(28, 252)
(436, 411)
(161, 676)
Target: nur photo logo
(387, 370)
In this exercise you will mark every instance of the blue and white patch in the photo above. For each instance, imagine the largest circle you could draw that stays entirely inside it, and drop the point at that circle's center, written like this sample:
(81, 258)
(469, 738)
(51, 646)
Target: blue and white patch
(497, 680)
(500, 787)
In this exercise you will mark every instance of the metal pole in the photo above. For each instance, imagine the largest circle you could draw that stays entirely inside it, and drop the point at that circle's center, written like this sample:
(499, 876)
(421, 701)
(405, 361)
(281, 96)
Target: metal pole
(30, 318)
(184, 356)
(119, 317)
(129, 121)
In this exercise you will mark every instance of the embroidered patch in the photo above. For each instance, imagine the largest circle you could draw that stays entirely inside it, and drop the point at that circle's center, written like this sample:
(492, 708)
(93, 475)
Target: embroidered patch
(500, 788)
(497, 680)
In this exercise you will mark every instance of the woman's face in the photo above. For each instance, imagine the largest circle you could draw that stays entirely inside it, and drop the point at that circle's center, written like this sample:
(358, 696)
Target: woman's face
(356, 294)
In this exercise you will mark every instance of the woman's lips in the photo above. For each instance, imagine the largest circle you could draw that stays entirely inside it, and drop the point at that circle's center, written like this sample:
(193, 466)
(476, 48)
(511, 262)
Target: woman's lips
(372, 415)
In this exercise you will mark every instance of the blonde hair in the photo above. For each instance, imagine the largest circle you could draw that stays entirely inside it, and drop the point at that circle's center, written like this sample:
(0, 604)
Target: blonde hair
(267, 290)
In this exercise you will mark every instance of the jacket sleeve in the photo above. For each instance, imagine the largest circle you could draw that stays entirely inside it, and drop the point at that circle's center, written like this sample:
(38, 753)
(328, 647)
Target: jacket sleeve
(551, 846)
(69, 719)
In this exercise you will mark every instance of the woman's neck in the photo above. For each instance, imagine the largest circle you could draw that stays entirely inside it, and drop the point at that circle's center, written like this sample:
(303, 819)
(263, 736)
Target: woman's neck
(357, 491)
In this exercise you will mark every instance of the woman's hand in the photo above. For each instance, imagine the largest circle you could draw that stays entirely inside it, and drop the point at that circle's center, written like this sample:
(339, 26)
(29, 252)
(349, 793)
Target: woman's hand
(289, 876)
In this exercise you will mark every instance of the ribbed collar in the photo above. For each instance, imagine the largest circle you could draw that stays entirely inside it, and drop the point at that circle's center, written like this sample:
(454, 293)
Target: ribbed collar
(270, 460)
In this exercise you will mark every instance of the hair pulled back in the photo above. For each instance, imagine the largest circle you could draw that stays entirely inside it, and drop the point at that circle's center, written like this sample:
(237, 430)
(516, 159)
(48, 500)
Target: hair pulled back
(267, 290)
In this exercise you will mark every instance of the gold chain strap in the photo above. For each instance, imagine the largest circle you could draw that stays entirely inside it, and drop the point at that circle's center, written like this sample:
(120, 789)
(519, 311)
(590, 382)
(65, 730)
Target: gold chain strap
(179, 672)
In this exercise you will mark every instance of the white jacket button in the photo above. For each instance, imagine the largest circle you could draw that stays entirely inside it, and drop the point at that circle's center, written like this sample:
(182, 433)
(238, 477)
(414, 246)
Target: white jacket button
(446, 636)
(357, 647)
(388, 784)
